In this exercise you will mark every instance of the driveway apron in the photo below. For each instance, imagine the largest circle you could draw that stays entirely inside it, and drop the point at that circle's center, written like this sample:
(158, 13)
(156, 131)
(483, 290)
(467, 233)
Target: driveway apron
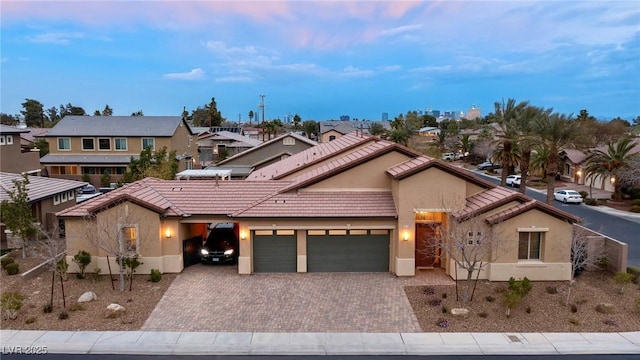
(216, 298)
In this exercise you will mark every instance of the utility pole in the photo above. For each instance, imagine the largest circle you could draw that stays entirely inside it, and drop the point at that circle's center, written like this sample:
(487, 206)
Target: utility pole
(262, 107)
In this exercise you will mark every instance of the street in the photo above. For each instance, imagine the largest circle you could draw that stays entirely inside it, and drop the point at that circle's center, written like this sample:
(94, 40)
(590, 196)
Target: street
(614, 226)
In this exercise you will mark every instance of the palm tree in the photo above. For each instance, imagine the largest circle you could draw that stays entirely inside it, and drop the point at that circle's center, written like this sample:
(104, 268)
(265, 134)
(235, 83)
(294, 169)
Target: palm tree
(465, 144)
(507, 114)
(526, 139)
(555, 131)
(250, 116)
(539, 160)
(609, 164)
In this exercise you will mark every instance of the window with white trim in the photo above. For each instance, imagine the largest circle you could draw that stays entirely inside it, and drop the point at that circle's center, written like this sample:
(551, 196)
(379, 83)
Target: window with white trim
(88, 144)
(149, 142)
(129, 240)
(56, 199)
(120, 144)
(189, 140)
(288, 141)
(529, 245)
(2, 140)
(9, 140)
(104, 144)
(64, 143)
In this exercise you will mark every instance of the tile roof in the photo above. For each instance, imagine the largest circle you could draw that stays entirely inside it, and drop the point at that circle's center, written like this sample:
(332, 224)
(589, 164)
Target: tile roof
(323, 204)
(232, 136)
(183, 197)
(126, 126)
(420, 163)
(529, 205)
(6, 129)
(487, 200)
(39, 187)
(576, 156)
(268, 143)
(310, 156)
(34, 134)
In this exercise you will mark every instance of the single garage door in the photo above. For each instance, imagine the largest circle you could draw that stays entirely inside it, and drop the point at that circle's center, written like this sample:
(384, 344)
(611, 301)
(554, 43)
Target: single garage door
(348, 251)
(274, 251)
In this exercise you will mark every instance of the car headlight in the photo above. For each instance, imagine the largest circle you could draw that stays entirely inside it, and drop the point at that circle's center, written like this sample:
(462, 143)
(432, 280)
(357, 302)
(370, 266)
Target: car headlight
(228, 252)
(204, 252)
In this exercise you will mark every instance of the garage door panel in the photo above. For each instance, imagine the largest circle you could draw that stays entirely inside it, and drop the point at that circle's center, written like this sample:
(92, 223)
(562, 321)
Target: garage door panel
(348, 253)
(274, 253)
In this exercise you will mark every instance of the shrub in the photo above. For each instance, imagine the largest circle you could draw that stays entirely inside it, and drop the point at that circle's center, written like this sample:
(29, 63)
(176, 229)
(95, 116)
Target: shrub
(30, 320)
(552, 290)
(12, 268)
(47, 308)
(490, 298)
(63, 315)
(483, 315)
(86, 177)
(591, 202)
(435, 302)
(638, 303)
(583, 193)
(429, 291)
(635, 202)
(62, 267)
(83, 259)
(6, 261)
(445, 309)
(444, 295)
(11, 303)
(521, 287)
(528, 310)
(610, 322)
(574, 308)
(443, 323)
(155, 275)
(635, 209)
(574, 321)
(622, 278)
(604, 262)
(105, 179)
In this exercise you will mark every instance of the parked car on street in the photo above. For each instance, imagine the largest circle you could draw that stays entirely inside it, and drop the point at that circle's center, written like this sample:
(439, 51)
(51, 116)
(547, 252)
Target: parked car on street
(512, 178)
(487, 165)
(568, 196)
(516, 182)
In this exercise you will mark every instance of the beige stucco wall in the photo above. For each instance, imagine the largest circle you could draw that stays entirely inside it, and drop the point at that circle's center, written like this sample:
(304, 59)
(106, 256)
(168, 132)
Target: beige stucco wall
(370, 175)
(13, 160)
(325, 137)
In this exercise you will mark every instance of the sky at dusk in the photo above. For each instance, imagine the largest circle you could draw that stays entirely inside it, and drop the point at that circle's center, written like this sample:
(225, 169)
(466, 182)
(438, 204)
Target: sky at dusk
(321, 59)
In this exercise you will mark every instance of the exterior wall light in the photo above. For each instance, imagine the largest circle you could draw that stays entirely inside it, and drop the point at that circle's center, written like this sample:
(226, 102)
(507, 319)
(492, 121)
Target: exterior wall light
(405, 233)
(168, 233)
(243, 235)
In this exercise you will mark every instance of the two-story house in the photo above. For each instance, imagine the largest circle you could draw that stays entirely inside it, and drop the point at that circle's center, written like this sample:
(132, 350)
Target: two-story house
(14, 158)
(94, 145)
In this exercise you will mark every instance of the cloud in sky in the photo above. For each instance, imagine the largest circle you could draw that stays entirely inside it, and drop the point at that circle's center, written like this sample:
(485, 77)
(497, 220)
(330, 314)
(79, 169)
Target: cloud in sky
(336, 48)
(195, 74)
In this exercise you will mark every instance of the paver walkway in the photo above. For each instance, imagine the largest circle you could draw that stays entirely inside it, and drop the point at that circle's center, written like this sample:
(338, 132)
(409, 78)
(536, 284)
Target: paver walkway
(210, 298)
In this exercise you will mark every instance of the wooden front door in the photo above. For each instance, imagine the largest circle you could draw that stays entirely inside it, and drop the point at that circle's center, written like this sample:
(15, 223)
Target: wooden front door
(427, 251)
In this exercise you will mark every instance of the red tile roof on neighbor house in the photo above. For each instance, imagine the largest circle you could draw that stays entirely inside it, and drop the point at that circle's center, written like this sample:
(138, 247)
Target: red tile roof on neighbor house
(183, 198)
(323, 204)
(310, 156)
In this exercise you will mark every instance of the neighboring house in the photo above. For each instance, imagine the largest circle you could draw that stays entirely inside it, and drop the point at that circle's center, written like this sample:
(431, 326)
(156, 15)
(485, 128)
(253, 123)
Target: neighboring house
(46, 195)
(94, 145)
(574, 161)
(333, 129)
(14, 157)
(217, 146)
(274, 150)
(355, 204)
(430, 132)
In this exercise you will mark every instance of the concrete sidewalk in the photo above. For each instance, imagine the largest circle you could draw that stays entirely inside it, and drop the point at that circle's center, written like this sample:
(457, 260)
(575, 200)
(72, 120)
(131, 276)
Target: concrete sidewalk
(243, 343)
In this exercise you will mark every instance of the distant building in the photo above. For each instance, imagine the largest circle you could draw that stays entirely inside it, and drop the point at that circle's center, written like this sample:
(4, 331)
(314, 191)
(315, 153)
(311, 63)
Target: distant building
(14, 157)
(385, 116)
(344, 118)
(473, 113)
(455, 115)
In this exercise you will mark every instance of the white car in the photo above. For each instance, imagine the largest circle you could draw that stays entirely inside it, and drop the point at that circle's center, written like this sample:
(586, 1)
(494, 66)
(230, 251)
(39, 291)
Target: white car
(516, 182)
(512, 178)
(567, 196)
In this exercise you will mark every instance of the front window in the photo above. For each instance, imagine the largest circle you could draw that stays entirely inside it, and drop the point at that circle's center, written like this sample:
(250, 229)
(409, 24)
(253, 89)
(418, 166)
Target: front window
(149, 143)
(529, 246)
(64, 144)
(88, 144)
(104, 144)
(120, 144)
(129, 241)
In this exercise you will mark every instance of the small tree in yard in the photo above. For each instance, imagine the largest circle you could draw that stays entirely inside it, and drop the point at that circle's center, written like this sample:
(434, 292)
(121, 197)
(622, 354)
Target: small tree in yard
(82, 259)
(623, 279)
(116, 231)
(585, 255)
(16, 213)
(472, 244)
(49, 247)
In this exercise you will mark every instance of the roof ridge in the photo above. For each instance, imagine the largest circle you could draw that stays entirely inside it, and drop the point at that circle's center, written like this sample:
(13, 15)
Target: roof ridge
(256, 203)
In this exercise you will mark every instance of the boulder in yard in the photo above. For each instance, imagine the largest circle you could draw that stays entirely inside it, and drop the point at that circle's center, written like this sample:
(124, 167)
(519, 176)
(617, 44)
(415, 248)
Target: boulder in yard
(114, 311)
(605, 308)
(88, 296)
(460, 312)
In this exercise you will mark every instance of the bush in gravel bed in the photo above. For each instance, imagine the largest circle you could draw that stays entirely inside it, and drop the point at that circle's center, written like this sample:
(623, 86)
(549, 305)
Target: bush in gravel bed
(610, 322)
(429, 291)
(6, 261)
(83, 259)
(574, 321)
(30, 320)
(11, 303)
(47, 308)
(63, 315)
(552, 290)
(12, 268)
(490, 298)
(574, 308)
(483, 315)
(443, 323)
(155, 275)
(435, 302)
(638, 303)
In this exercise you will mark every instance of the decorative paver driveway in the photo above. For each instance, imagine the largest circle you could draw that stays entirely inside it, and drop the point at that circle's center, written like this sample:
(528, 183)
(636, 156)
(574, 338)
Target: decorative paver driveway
(211, 298)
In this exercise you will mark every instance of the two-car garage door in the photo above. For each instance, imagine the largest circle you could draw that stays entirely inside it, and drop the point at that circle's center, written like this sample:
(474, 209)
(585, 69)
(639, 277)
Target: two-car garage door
(327, 251)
